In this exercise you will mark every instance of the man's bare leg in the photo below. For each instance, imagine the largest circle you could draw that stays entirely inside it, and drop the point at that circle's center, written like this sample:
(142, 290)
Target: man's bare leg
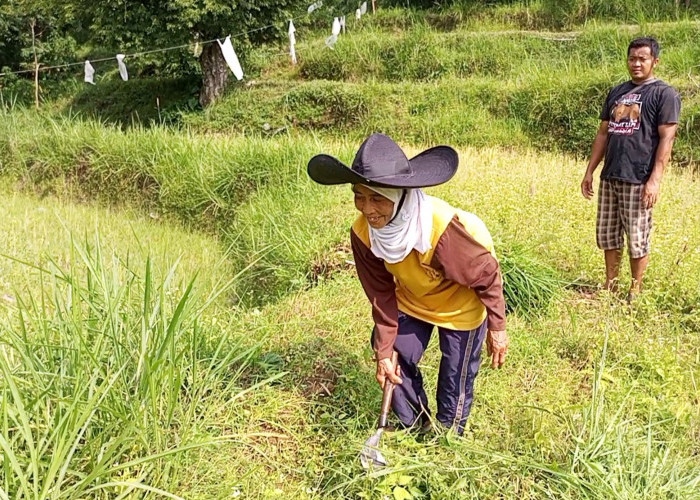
(612, 268)
(638, 266)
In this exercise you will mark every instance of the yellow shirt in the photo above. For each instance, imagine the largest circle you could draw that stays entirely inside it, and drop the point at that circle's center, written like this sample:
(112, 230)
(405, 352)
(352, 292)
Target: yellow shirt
(423, 291)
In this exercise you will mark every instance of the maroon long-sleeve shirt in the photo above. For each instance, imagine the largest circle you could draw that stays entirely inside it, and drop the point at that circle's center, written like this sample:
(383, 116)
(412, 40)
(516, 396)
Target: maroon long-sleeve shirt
(457, 257)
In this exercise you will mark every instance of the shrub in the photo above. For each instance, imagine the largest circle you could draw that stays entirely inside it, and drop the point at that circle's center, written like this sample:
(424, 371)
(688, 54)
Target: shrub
(140, 100)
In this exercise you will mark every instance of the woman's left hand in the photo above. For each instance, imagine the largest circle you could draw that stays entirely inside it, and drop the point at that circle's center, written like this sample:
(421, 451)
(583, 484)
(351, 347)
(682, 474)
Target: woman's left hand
(497, 347)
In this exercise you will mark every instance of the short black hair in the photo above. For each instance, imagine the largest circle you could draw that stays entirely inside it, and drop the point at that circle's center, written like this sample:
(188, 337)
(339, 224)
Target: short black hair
(646, 41)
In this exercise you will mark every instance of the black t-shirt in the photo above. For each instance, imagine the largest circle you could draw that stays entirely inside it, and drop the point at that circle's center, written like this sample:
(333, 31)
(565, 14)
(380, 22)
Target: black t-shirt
(634, 115)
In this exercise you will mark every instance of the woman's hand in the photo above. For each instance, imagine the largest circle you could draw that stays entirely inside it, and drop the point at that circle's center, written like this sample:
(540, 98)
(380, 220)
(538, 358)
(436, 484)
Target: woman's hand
(497, 347)
(389, 368)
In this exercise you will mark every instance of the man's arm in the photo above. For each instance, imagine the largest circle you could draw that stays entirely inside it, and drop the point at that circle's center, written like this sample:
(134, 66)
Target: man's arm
(667, 134)
(598, 152)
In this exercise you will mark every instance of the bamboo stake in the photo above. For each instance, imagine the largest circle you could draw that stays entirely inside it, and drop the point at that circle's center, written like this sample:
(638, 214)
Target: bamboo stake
(36, 67)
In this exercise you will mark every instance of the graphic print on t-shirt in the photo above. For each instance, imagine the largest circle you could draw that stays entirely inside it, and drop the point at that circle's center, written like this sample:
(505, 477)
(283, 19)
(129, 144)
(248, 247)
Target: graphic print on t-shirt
(626, 115)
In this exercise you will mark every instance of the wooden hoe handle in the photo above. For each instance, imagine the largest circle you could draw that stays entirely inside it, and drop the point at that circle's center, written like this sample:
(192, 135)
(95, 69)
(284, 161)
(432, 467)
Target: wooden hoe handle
(386, 397)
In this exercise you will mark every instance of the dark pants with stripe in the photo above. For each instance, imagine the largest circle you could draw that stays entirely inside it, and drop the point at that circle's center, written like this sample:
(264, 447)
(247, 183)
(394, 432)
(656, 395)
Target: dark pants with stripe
(461, 358)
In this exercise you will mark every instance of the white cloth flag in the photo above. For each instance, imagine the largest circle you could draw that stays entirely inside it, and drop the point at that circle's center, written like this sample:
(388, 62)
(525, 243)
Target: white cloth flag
(335, 31)
(231, 57)
(292, 42)
(314, 6)
(363, 8)
(122, 67)
(292, 30)
(89, 73)
(358, 14)
(330, 41)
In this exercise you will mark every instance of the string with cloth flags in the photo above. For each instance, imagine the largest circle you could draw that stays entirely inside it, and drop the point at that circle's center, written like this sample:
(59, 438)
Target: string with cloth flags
(226, 47)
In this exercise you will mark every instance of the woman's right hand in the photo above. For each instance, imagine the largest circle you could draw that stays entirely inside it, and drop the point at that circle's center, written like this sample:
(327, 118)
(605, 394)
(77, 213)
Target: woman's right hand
(389, 368)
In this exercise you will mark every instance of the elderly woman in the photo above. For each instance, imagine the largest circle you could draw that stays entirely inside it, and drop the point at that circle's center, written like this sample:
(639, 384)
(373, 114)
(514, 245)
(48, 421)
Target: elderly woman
(422, 264)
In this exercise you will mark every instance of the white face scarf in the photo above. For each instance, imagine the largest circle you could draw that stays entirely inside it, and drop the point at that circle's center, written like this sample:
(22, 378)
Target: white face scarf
(410, 228)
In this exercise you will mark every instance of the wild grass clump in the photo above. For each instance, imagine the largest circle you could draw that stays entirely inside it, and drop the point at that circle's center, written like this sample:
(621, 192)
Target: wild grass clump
(281, 231)
(107, 374)
(561, 111)
(529, 285)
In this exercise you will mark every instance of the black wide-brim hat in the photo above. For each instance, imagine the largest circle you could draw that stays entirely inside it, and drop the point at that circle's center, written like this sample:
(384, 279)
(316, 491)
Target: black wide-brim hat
(381, 162)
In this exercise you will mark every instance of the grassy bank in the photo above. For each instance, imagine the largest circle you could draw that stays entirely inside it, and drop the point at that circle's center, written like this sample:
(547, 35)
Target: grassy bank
(204, 182)
(471, 85)
(254, 192)
(464, 88)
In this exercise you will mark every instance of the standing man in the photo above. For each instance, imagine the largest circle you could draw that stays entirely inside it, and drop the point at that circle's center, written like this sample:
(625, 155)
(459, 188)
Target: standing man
(638, 125)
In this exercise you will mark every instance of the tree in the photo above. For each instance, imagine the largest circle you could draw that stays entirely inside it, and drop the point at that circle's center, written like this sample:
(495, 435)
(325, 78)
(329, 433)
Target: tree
(33, 33)
(148, 24)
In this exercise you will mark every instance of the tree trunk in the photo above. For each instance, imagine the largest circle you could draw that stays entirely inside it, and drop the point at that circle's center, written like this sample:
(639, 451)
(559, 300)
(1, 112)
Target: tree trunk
(214, 74)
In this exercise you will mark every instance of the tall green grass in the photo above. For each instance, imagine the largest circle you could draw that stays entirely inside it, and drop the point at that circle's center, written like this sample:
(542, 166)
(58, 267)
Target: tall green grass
(125, 379)
(197, 178)
(596, 401)
(536, 429)
(424, 54)
(106, 375)
(203, 181)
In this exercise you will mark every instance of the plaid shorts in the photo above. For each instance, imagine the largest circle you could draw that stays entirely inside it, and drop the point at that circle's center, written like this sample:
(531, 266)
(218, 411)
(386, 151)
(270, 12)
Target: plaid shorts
(620, 212)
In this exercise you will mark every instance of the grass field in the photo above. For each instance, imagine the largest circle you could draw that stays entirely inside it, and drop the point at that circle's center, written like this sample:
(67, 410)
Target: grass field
(597, 400)
(180, 317)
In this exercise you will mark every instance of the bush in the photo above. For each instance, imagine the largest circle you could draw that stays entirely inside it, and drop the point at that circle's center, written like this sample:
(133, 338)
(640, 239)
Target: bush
(15, 90)
(140, 100)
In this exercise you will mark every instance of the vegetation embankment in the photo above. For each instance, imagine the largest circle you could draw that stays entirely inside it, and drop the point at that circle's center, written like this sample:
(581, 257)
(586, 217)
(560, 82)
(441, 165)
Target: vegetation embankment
(208, 183)
(424, 85)
(461, 87)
